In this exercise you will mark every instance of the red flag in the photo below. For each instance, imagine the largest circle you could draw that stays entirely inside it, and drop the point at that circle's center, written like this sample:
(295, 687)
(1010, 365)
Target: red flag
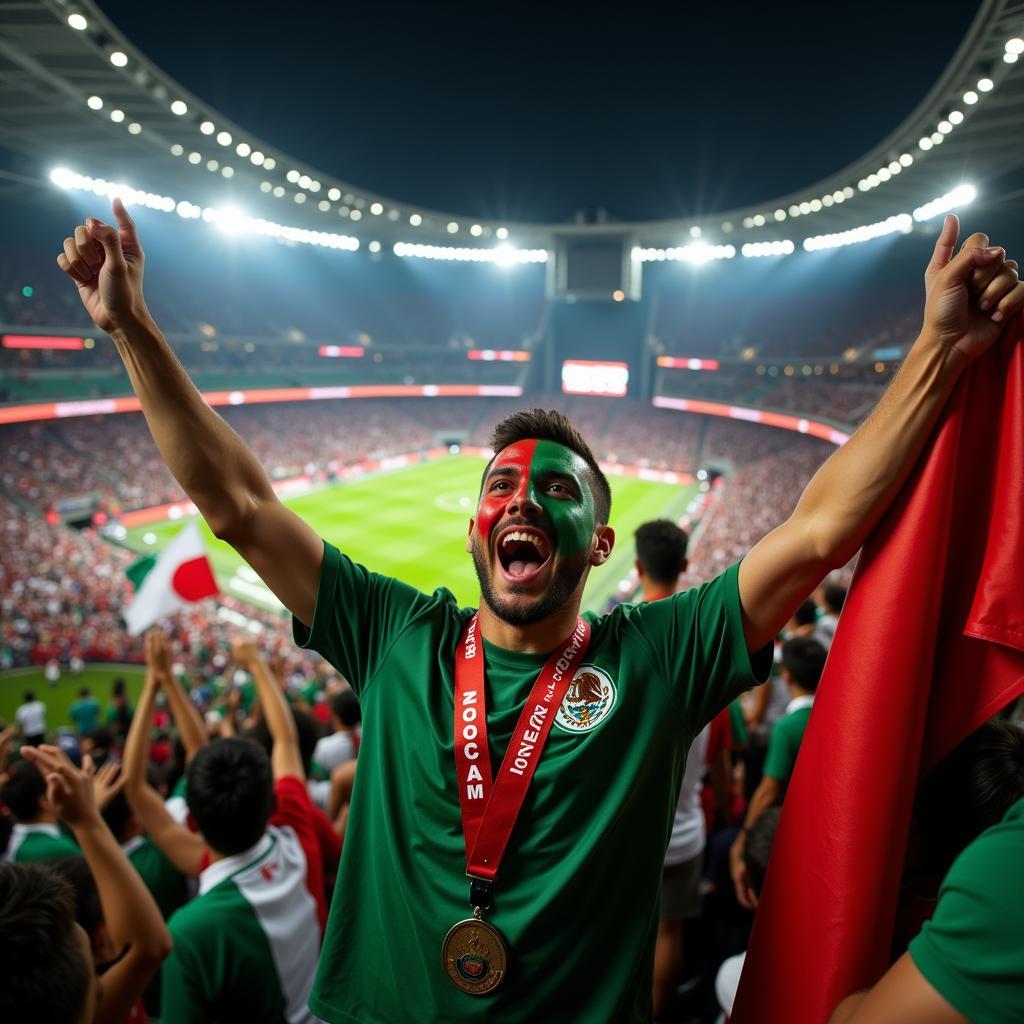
(930, 645)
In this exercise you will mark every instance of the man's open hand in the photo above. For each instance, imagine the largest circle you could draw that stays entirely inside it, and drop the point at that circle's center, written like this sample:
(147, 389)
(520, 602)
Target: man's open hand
(970, 296)
(68, 788)
(158, 655)
(106, 263)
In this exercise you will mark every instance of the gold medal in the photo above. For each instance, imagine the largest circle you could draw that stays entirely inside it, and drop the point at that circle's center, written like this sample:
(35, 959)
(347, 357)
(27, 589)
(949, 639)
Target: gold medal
(474, 956)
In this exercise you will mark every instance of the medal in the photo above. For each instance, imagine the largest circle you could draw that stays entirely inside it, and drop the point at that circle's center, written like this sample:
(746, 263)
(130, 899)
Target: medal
(474, 954)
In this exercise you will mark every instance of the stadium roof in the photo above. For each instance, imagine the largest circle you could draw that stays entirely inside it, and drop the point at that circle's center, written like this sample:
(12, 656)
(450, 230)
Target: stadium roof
(76, 93)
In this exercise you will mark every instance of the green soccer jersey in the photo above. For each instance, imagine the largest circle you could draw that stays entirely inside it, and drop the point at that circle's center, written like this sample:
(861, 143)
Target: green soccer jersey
(167, 884)
(787, 735)
(577, 894)
(85, 713)
(39, 842)
(972, 950)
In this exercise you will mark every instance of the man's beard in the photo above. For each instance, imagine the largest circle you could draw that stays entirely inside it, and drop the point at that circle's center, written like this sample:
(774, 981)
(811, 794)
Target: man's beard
(563, 584)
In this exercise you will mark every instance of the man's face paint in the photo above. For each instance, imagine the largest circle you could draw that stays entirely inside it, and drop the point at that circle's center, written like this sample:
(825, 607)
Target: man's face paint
(534, 527)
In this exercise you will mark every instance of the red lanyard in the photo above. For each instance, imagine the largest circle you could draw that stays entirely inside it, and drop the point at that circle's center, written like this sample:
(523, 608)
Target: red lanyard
(489, 811)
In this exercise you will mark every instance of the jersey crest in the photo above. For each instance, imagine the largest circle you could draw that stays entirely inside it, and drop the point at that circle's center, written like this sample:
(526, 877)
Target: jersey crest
(588, 701)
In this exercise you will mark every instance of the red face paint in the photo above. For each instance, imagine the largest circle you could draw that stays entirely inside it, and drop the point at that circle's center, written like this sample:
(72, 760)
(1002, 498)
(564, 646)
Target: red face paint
(493, 502)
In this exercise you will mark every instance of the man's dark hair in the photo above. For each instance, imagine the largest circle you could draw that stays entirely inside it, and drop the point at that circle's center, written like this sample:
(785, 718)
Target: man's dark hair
(229, 790)
(116, 814)
(119, 688)
(835, 598)
(46, 974)
(806, 614)
(661, 550)
(551, 425)
(970, 790)
(308, 728)
(24, 786)
(83, 692)
(101, 737)
(345, 707)
(88, 908)
(758, 847)
(803, 658)
(29, 696)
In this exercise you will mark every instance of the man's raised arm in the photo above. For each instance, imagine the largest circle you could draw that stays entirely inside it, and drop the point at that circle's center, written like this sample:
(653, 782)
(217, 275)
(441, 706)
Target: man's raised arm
(970, 297)
(210, 461)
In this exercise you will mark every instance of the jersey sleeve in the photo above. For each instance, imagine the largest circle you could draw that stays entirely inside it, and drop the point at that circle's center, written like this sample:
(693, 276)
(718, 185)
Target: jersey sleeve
(294, 809)
(358, 616)
(696, 641)
(781, 756)
(972, 949)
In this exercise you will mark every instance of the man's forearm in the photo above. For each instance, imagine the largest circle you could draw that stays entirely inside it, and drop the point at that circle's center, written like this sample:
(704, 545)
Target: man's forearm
(210, 461)
(186, 717)
(848, 495)
(135, 761)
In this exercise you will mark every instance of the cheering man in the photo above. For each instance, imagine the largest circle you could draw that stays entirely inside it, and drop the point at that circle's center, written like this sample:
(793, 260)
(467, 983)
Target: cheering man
(534, 751)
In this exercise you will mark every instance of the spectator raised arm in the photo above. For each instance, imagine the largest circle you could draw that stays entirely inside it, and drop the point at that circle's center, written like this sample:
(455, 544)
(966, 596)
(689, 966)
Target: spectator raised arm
(185, 714)
(184, 849)
(131, 914)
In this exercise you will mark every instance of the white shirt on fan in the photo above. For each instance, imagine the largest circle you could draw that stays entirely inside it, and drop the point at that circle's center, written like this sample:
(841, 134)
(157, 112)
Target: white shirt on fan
(688, 829)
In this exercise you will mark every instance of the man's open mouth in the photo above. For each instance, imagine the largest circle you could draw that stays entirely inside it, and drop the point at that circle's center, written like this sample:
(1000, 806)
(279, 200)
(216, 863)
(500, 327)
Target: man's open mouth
(522, 553)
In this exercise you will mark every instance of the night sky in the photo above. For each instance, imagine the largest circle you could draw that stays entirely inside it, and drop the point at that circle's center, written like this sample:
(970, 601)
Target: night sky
(534, 111)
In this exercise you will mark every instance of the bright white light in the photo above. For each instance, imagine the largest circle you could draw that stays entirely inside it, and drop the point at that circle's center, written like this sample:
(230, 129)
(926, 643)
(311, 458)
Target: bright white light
(780, 214)
(759, 220)
(293, 176)
(805, 208)
(314, 186)
(503, 255)
(416, 220)
(228, 172)
(117, 116)
(937, 138)
(945, 127)
(374, 247)
(305, 181)
(357, 215)
(77, 22)
(212, 165)
(827, 201)
(118, 59)
(1010, 58)
(299, 197)
(278, 191)
(901, 222)
(794, 210)
(224, 138)
(194, 158)
(179, 107)
(895, 167)
(94, 103)
(960, 196)
(906, 159)
(476, 230)
(376, 209)
(270, 163)
(985, 85)
(815, 205)
(265, 186)
(884, 174)
(970, 97)
(501, 233)
(207, 127)
(782, 247)
(863, 184)
(695, 231)
(334, 194)
(955, 117)
(453, 227)
(1015, 45)
(848, 192)
(177, 149)
(924, 143)
(243, 149)
(134, 128)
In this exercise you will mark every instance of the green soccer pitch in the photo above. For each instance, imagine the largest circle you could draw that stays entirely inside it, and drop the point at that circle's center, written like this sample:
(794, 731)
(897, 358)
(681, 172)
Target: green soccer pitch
(411, 523)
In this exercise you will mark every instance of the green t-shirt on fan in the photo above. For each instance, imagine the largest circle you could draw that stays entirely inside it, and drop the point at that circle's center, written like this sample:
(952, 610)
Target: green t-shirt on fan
(168, 886)
(85, 713)
(787, 736)
(577, 894)
(29, 843)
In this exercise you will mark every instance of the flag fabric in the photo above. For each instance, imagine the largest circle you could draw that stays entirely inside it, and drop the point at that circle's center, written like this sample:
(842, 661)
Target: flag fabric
(930, 645)
(181, 574)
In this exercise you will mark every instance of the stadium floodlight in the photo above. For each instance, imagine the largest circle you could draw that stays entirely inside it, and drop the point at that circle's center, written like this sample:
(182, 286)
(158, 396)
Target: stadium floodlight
(924, 143)
(453, 227)
(1015, 45)
(135, 128)
(780, 214)
(257, 158)
(293, 176)
(117, 116)
(207, 127)
(476, 230)
(906, 159)
(177, 149)
(229, 219)
(900, 222)
(270, 163)
(781, 247)
(227, 172)
(212, 165)
(695, 253)
(695, 232)
(374, 247)
(194, 157)
(960, 196)
(970, 97)
(224, 138)
(503, 255)
(323, 206)
(985, 85)
(376, 209)
(937, 138)
(416, 220)
(1010, 58)
(94, 103)
(278, 191)
(356, 215)
(77, 22)
(334, 194)
(179, 107)
(955, 117)
(944, 127)
(501, 233)
(118, 59)
(265, 186)
(243, 149)
(299, 197)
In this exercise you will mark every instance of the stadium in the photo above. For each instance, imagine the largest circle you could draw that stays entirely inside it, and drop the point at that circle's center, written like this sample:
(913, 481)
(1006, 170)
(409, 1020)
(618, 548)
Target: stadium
(364, 348)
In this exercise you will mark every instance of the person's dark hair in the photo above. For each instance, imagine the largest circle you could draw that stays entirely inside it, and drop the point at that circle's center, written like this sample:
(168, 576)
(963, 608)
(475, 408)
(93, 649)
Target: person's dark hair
(46, 973)
(307, 726)
(758, 848)
(88, 908)
(83, 692)
(118, 689)
(803, 658)
(24, 786)
(116, 814)
(551, 425)
(101, 737)
(970, 790)
(29, 696)
(345, 707)
(661, 550)
(806, 614)
(229, 790)
(835, 597)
